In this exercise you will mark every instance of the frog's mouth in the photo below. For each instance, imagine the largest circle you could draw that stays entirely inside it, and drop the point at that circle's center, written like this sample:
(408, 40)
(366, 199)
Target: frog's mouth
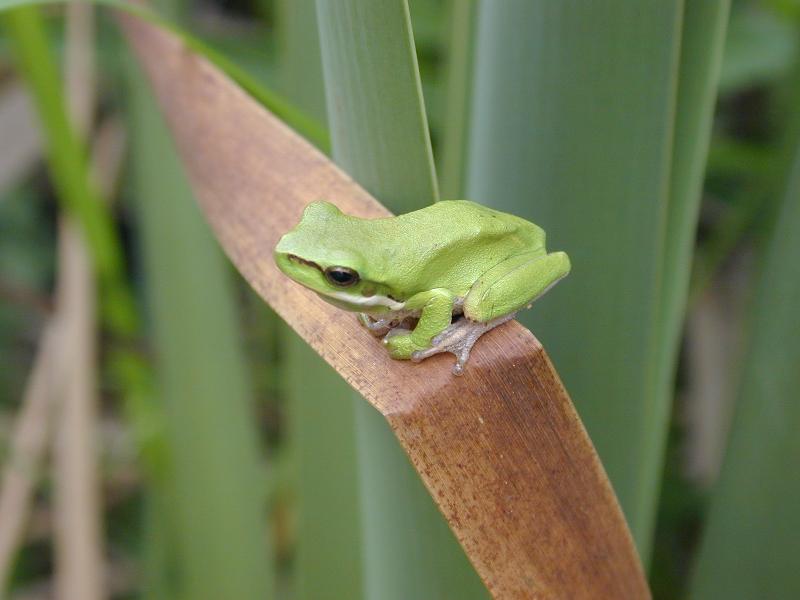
(305, 272)
(354, 302)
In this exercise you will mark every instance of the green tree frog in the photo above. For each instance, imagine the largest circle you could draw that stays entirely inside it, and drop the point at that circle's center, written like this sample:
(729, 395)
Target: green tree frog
(429, 281)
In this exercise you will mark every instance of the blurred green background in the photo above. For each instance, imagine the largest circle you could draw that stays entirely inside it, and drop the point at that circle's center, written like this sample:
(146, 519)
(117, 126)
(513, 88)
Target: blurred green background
(205, 452)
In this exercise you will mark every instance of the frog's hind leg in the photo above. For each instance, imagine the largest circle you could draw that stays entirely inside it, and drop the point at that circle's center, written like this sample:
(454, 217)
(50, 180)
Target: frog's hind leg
(494, 299)
(514, 284)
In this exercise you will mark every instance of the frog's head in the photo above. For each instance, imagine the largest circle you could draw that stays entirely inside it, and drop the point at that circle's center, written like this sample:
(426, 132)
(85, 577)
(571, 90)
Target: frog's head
(325, 252)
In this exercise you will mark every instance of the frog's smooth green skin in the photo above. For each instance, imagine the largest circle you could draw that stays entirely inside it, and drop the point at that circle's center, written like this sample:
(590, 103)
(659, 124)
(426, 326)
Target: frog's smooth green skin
(454, 258)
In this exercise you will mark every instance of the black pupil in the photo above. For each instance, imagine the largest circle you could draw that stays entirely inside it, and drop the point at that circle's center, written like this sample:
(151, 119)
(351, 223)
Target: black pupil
(341, 276)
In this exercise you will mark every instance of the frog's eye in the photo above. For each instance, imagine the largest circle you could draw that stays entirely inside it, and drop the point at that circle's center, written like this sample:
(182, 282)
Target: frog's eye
(341, 276)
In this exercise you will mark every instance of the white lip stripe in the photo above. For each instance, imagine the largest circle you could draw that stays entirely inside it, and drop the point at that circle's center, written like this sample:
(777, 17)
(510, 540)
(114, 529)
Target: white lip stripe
(367, 301)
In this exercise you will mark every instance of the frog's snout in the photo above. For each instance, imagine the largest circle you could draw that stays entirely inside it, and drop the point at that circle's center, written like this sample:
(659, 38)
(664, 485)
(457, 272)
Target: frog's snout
(283, 245)
(282, 253)
(564, 266)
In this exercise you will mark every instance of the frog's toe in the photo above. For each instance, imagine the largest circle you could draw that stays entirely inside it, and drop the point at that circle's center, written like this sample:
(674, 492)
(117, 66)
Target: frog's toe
(399, 344)
(377, 327)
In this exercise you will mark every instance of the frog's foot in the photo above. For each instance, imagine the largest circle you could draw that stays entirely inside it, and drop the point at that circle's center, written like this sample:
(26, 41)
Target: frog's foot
(458, 339)
(400, 344)
(377, 327)
(381, 327)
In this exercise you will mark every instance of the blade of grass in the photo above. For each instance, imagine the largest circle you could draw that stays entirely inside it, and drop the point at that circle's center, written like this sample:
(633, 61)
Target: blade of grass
(380, 136)
(460, 71)
(574, 127)
(279, 105)
(329, 555)
(68, 166)
(78, 197)
(751, 545)
(374, 99)
(218, 496)
(301, 62)
(159, 562)
(544, 538)
(32, 430)
(702, 42)
(322, 418)
(756, 208)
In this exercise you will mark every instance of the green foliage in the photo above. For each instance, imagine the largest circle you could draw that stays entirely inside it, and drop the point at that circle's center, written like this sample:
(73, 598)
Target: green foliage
(587, 158)
(26, 262)
(67, 159)
(375, 108)
(760, 47)
(575, 127)
(592, 119)
(751, 545)
(380, 136)
(460, 68)
(214, 491)
(322, 429)
(702, 40)
(322, 412)
(277, 104)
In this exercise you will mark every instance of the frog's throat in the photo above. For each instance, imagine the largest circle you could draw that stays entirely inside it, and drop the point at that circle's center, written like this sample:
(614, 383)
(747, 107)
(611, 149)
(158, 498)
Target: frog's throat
(367, 301)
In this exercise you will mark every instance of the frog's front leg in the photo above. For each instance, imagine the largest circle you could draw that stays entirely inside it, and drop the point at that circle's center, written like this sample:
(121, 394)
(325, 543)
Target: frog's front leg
(436, 313)
(377, 327)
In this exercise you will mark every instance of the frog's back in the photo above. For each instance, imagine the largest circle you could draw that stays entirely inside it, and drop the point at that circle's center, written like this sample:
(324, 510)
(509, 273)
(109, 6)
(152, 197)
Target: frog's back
(450, 243)
(455, 221)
